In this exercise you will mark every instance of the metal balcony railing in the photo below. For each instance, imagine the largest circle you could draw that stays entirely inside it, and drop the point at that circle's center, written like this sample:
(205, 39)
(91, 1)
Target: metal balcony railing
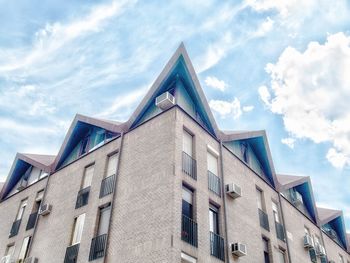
(15, 228)
(264, 220)
(214, 184)
(217, 246)
(82, 197)
(32, 220)
(189, 165)
(189, 232)
(107, 185)
(280, 231)
(98, 246)
(72, 254)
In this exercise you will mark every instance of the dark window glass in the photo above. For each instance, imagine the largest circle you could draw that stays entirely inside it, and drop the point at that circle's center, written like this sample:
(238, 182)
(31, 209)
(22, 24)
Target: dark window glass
(187, 202)
(214, 220)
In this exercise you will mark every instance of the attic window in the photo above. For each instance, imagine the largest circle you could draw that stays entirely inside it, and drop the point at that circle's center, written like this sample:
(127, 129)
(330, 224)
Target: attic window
(244, 152)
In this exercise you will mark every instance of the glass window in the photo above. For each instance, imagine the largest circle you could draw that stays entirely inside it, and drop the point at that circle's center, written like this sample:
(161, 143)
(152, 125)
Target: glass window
(9, 250)
(260, 199)
(78, 229)
(24, 249)
(88, 174)
(212, 163)
(105, 213)
(187, 202)
(21, 209)
(341, 259)
(187, 259)
(43, 174)
(84, 147)
(112, 165)
(187, 143)
(244, 152)
(307, 231)
(281, 256)
(214, 219)
(266, 250)
(34, 175)
(275, 210)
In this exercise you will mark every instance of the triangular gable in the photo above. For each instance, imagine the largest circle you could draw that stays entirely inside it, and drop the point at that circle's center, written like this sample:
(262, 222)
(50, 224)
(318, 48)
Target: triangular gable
(178, 71)
(258, 141)
(303, 185)
(20, 165)
(79, 127)
(335, 220)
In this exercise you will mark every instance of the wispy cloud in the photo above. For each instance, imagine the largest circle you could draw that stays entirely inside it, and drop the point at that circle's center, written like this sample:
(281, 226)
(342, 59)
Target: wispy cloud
(215, 83)
(227, 109)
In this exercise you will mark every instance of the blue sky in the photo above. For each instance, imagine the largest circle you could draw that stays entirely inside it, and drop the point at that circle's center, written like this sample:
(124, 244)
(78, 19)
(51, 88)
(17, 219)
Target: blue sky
(283, 66)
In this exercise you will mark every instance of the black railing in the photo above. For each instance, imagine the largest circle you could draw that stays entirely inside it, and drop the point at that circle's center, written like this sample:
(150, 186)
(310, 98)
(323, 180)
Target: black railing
(32, 220)
(264, 220)
(15, 228)
(107, 185)
(72, 254)
(189, 165)
(98, 246)
(83, 197)
(189, 231)
(217, 246)
(214, 183)
(280, 231)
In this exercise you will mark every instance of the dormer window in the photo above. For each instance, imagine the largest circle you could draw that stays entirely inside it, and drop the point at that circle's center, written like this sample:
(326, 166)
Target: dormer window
(244, 152)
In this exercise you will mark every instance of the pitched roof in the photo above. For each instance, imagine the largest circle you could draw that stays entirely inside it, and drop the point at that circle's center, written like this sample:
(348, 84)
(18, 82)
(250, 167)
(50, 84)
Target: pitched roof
(44, 161)
(180, 56)
(289, 181)
(108, 125)
(326, 215)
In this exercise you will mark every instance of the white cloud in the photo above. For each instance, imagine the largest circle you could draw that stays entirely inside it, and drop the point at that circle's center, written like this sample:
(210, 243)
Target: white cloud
(226, 108)
(215, 83)
(289, 142)
(310, 90)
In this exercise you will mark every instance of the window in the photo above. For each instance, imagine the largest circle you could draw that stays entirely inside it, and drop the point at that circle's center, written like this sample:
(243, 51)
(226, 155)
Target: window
(260, 199)
(306, 230)
(84, 147)
(214, 219)
(266, 248)
(187, 202)
(212, 163)
(244, 152)
(187, 143)
(21, 209)
(341, 259)
(38, 199)
(10, 250)
(24, 249)
(276, 213)
(187, 259)
(281, 256)
(34, 175)
(103, 222)
(112, 165)
(78, 229)
(88, 174)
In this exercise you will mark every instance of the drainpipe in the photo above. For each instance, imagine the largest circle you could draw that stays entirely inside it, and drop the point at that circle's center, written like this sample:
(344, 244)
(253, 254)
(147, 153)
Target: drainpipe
(114, 194)
(324, 244)
(38, 216)
(224, 201)
(284, 228)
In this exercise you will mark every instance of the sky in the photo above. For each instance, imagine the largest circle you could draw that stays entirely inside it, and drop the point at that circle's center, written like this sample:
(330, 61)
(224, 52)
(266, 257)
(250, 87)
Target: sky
(282, 66)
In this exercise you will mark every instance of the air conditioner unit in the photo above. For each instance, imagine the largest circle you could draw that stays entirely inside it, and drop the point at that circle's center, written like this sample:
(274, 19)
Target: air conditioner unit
(233, 190)
(7, 259)
(165, 101)
(31, 260)
(297, 198)
(45, 209)
(320, 250)
(308, 241)
(238, 249)
(23, 184)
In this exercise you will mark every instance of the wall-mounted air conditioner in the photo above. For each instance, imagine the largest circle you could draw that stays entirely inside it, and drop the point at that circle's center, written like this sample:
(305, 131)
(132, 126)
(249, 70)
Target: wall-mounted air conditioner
(233, 190)
(7, 259)
(308, 241)
(31, 260)
(45, 209)
(320, 250)
(23, 184)
(165, 101)
(238, 249)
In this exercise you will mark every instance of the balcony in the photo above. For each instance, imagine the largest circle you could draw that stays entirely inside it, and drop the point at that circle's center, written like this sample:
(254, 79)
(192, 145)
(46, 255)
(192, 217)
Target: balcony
(189, 165)
(214, 184)
(264, 220)
(107, 185)
(15, 228)
(32, 220)
(189, 231)
(280, 231)
(72, 254)
(83, 197)
(98, 246)
(217, 246)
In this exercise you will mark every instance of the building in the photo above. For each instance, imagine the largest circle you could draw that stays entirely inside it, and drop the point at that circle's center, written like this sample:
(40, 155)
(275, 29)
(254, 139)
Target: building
(165, 186)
